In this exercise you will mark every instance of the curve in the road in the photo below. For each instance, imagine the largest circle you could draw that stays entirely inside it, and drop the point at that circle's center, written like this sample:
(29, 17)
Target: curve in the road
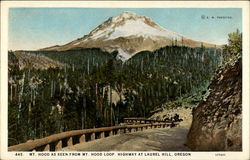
(158, 139)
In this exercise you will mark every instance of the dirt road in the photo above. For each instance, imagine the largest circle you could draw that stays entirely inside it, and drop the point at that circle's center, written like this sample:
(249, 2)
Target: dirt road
(158, 139)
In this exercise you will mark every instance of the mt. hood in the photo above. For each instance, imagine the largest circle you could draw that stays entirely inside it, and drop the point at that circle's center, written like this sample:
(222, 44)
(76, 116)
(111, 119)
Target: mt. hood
(129, 33)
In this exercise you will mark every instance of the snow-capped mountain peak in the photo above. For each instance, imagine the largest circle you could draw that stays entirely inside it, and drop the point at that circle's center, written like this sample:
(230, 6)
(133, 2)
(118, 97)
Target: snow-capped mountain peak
(130, 24)
(125, 15)
(129, 33)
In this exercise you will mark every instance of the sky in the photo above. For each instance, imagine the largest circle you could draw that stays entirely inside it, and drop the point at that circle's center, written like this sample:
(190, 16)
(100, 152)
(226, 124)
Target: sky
(35, 28)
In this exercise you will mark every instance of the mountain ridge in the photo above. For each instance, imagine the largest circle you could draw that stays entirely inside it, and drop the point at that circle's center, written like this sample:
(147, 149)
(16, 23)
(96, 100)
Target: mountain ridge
(129, 33)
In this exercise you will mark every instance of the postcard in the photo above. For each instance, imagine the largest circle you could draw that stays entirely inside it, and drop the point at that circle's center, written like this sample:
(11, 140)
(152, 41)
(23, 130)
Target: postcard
(124, 80)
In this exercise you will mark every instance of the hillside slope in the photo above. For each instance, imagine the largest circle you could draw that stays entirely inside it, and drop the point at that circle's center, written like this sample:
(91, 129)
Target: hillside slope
(27, 60)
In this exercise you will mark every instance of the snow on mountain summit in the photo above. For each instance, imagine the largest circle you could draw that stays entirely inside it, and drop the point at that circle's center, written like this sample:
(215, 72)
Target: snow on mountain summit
(128, 34)
(129, 29)
(130, 24)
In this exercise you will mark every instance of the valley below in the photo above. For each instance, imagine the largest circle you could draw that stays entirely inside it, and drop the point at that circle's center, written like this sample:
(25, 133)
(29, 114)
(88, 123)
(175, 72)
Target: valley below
(83, 89)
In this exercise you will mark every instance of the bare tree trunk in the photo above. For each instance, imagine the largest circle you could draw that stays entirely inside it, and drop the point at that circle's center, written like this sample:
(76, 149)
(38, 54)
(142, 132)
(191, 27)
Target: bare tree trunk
(20, 98)
(85, 112)
(96, 96)
(51, 89)
(110, 100)
(10, 92)
(82, 119)
(88, 66)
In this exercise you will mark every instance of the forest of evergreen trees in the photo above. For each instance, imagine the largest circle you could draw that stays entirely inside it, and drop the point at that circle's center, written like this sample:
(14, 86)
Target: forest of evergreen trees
(78, 95)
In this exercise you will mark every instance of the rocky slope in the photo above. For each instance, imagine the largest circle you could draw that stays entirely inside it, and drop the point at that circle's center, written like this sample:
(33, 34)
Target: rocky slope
(217, 120)
(129, 33)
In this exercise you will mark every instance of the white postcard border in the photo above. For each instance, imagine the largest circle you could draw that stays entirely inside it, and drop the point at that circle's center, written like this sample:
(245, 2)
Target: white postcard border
(5, 5)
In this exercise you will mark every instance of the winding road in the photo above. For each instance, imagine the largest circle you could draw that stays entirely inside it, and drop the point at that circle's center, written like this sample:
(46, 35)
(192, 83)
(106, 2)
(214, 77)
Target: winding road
(157, 139)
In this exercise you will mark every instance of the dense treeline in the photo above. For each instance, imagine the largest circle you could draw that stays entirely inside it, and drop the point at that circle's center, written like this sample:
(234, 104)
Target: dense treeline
(234, 47)
(170, 72)
(94, 89)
